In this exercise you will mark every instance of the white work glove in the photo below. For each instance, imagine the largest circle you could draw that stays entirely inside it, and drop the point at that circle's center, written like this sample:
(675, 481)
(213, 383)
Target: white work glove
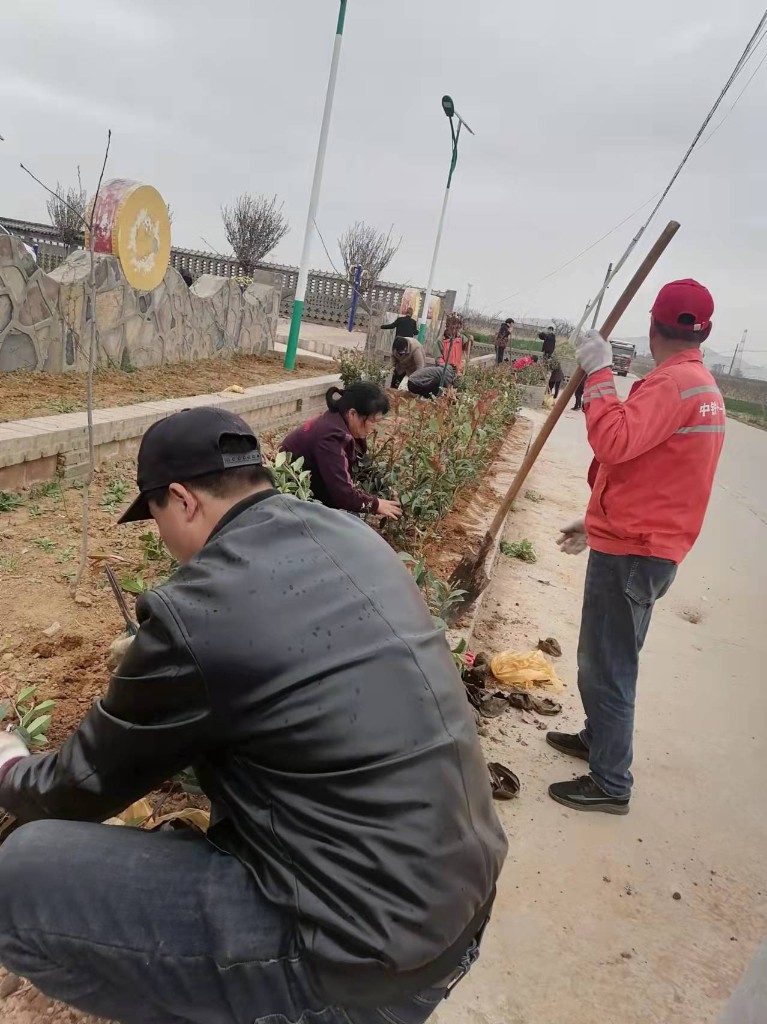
(572, 539)
(117, 650)
(593, 352)
(11, 747)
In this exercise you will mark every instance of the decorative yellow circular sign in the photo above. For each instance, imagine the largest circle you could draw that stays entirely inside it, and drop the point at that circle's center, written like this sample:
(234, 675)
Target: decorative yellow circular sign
(131, 222)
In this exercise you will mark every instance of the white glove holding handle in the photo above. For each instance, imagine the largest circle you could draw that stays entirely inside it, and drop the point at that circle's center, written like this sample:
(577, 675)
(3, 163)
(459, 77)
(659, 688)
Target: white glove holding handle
(593, 352)
(572, 539)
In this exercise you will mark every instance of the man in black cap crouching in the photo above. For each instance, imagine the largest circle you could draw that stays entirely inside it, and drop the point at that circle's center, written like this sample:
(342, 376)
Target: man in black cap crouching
(351, 862)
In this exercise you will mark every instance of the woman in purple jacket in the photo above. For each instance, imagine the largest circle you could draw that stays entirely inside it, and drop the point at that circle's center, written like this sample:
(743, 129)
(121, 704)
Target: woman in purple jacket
(331, 443)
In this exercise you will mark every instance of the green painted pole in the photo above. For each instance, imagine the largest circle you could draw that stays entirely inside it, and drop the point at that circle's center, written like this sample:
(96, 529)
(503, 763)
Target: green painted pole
(303, 273)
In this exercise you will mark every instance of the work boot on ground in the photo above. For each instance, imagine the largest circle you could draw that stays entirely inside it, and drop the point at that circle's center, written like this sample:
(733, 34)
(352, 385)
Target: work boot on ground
(584, 794)
(568, 743)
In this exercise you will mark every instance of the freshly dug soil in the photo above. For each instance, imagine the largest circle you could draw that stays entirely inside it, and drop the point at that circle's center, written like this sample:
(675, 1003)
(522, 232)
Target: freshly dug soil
(25, 395)
(28, 1006)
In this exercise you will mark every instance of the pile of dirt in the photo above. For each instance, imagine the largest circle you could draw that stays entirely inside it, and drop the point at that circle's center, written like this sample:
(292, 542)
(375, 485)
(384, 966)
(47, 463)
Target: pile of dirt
(25, 395)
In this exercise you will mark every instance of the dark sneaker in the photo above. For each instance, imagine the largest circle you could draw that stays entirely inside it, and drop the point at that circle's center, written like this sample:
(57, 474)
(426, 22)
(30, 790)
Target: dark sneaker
(584, 794)
(568, 743)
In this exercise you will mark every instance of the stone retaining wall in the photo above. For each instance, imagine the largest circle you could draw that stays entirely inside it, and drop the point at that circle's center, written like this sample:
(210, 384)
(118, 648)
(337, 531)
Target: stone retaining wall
(45, 319)
(35, 450)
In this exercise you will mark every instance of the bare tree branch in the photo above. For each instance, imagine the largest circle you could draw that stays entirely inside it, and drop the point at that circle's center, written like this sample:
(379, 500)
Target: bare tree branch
(89, 385)
(67, 211)
(59, 198)
(362, 245)
(562, 328)
(254, 226)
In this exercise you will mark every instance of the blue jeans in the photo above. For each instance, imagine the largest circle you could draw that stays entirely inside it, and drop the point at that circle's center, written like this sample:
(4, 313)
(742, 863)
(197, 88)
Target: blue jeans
(618, 599)
(158, 928)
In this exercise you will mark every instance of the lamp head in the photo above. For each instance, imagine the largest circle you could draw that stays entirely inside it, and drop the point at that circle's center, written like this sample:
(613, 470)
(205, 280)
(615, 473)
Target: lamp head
(448, 106)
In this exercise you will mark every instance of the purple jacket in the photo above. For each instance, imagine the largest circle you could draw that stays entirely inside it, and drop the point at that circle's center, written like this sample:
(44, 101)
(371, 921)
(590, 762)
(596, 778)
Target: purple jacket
(329, 452)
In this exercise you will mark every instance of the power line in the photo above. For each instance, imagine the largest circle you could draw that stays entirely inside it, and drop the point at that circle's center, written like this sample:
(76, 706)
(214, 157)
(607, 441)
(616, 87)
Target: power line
(748, 52)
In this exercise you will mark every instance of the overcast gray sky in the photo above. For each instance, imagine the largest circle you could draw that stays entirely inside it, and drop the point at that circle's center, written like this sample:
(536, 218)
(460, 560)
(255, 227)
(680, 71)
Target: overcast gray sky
(581, 112)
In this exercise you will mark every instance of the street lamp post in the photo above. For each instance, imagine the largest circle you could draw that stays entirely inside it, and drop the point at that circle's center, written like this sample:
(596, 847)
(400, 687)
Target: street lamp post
(303, 273)
(449, 107)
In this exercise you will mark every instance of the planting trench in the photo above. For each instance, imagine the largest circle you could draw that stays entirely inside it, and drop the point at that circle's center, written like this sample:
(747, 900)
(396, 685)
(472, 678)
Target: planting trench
(61, 647)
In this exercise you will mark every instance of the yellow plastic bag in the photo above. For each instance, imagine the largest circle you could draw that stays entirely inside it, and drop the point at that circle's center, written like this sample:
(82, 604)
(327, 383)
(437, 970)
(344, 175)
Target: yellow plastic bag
(524, 670)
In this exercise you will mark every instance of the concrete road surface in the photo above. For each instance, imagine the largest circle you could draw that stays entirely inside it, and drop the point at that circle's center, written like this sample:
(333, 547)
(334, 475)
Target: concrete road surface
(587, 928)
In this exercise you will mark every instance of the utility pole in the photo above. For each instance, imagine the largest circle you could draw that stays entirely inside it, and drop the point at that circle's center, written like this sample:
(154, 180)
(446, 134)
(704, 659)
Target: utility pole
(738, 353)
(303, 273)
(599, 304)
(467, 303)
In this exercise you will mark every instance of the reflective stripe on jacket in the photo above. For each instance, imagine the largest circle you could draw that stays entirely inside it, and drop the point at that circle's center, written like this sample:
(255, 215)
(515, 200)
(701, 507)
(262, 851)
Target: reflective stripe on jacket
(655, 458)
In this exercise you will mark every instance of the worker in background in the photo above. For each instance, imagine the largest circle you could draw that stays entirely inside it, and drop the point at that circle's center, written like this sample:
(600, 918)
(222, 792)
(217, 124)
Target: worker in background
(549, 339)
(351, 862)
(579, 396)
(654, 461)
(502, 340)
(330, 445)
(404, 326)
(556, 376)
(431, 381)
(407, 356)
(523, 361)
(453, 352)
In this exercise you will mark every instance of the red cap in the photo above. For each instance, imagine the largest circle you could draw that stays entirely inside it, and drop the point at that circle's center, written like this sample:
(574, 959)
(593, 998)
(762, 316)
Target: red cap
(685, 299)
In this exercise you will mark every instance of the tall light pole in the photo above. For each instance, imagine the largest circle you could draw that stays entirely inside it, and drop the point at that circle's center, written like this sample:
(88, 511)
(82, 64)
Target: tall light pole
(449, 107)
(303, 272)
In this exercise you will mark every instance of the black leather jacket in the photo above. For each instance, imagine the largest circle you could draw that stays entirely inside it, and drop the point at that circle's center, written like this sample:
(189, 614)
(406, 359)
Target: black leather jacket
(294, 664)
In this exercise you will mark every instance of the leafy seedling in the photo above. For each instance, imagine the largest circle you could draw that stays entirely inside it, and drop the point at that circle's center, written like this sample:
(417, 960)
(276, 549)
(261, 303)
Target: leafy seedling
(8, 502)
(153, 547)
(521, 549)
(34, 719)
(64, 405)
(115, 494)
(45, 544)
(134, 582)
(47, 489)
(8, 563)
(35, 511)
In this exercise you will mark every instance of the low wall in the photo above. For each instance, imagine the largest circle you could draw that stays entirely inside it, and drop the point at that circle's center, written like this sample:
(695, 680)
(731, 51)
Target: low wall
(45, 319)
(35, 450)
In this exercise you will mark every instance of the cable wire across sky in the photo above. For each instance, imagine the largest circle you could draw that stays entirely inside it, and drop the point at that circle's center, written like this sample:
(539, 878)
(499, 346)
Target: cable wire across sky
(751, 47)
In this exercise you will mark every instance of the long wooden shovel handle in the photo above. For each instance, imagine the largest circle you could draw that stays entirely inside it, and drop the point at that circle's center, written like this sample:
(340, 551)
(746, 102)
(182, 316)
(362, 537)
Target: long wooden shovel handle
(568, 391)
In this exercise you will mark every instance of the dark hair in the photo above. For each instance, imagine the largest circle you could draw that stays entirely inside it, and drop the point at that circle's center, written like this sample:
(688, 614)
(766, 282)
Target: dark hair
(226, 483)
(684, 331)
(364, 397)
(400, 344)
(509, 320)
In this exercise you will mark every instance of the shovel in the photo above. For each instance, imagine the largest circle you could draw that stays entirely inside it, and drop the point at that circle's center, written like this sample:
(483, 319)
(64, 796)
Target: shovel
(470, 574)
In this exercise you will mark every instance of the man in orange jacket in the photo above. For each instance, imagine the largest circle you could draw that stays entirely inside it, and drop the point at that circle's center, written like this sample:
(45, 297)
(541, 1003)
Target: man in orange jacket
(651, 479)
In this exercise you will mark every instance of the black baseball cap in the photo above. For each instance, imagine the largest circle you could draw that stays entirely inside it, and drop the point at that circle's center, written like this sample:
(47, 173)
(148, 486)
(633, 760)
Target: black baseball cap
(185, 446)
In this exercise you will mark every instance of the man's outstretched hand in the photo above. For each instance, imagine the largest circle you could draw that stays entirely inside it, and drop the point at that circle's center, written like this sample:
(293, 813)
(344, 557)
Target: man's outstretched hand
(572, 538)
(389, 509)
(593, 352)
